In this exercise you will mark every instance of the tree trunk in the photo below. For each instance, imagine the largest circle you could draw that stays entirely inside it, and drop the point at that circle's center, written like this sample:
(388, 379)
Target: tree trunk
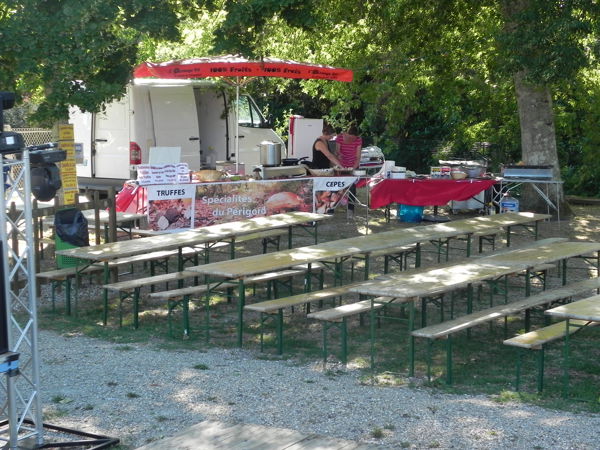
(538, 142)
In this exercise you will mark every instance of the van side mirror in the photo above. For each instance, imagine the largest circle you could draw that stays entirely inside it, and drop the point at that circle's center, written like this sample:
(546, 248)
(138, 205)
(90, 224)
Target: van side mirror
(268, 122)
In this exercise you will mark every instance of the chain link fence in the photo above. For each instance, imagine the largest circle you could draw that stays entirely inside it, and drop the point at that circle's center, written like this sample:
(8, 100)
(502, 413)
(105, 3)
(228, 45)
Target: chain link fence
(34, 136)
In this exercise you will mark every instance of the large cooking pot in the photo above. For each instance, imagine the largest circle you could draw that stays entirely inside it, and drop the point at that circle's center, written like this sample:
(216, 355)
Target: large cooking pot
(270, 153)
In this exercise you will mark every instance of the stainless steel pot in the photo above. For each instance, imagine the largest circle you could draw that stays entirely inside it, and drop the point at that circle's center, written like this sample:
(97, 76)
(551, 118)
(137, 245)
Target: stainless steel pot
(270, 153)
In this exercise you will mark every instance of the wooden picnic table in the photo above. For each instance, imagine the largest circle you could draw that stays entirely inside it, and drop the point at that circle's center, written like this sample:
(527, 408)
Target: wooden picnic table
(104, 253)
(334, 253)
(588, 310)
(408, 287)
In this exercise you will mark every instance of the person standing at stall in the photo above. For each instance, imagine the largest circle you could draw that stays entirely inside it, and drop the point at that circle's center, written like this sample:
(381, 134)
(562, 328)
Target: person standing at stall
(322, 157)
(349, 146)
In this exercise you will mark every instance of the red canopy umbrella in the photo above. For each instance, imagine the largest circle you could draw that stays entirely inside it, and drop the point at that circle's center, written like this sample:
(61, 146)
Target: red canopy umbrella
(236, 66)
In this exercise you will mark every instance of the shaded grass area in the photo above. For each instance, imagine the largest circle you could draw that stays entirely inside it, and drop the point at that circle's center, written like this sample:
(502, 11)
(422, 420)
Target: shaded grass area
(482, 364)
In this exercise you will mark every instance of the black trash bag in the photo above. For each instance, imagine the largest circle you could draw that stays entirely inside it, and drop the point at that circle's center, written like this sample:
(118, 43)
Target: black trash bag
(72, 227)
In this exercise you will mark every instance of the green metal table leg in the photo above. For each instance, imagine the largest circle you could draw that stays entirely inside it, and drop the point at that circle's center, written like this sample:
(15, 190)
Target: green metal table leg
(290, 236)
(105, 293)
(241, 301)
(508, 236)
(411, 339)
(372, 332)
(566, 362)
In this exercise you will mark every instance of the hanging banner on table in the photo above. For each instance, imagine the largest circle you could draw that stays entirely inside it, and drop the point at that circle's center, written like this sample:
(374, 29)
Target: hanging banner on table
(331, 192)
(171, 207)
(230, 201)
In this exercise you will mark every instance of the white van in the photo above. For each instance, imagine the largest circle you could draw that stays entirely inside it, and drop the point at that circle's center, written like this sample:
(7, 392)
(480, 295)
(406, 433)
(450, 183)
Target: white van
(195, 115)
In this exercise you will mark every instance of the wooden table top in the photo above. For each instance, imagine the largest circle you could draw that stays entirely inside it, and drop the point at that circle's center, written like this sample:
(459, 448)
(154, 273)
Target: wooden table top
(544, 254)
(253, 265)
(212, 233)
(437, 280)
(586, 309)
(458, 275)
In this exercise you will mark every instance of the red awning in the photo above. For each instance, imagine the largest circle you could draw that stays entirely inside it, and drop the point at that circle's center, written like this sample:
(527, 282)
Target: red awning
(237, 66)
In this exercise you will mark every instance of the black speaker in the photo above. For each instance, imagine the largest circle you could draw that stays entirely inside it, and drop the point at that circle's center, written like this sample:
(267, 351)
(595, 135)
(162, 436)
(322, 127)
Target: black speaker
(45, 181)
(3, 307)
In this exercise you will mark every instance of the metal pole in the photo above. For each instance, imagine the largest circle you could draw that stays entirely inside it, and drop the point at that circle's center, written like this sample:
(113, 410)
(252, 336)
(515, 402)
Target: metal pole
(23, 399)
(237, 125)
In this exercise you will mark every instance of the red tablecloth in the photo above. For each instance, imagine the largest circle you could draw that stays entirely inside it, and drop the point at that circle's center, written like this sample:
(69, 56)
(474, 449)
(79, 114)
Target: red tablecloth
(425, 192)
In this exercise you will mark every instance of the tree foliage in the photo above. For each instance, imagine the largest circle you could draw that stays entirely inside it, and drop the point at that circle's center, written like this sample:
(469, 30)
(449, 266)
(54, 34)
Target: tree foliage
(77, 51)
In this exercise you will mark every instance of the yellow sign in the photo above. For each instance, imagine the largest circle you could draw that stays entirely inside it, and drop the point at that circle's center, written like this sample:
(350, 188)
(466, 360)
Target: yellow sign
(68, 171)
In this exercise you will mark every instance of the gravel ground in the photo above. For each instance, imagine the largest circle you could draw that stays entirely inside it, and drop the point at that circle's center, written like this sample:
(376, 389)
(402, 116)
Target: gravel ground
(139, 393)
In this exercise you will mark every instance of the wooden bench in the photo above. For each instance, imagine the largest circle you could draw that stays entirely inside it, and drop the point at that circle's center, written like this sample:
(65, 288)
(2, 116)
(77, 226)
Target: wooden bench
(443, 245)
(399, 255)
(60, 277)
(337, 318)
(537, 340)
(269, 237)
(181, 297)
(161, 258)
(131, 289)
(273, 309)
(448, 328)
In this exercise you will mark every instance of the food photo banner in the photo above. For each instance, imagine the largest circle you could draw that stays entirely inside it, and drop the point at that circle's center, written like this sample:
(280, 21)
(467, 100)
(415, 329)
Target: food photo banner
(230, 201)
(174, 207)
(331, 192)
(171, 207)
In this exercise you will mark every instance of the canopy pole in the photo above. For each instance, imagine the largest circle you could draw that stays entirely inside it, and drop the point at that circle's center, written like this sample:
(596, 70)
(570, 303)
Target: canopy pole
(237, 125)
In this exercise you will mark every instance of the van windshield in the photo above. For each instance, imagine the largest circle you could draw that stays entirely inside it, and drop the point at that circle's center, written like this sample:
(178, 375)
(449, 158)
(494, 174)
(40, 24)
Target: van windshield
(249, 114)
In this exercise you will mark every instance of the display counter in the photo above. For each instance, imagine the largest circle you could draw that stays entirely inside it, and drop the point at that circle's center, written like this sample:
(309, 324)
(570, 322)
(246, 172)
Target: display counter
(172, 207)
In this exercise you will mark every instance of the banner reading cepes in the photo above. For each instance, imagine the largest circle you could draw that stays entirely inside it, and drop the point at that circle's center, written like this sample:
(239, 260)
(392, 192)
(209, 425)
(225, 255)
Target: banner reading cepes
(330, 192)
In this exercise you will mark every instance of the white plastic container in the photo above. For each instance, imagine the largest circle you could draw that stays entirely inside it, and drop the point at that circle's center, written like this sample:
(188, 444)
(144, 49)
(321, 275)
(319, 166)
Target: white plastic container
(509, 204)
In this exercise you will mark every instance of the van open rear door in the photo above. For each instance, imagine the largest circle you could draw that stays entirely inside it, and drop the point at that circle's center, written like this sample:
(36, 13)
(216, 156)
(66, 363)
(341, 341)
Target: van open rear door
(175, 120)
(110, 146)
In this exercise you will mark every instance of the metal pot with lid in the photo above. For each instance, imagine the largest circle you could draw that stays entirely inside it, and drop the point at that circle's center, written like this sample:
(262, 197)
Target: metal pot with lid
(270, 153)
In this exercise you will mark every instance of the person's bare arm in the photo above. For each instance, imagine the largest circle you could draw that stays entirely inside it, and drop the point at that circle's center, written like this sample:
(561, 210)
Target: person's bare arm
(323, 148)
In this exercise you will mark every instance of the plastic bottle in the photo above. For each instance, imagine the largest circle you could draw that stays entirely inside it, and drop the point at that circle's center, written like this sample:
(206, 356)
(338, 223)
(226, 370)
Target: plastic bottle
(509, 204)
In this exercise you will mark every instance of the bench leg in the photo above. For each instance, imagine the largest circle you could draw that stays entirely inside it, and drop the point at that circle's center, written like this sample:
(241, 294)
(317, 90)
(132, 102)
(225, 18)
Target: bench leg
(279, 325)
(68, 296)
(540, 364)
(325, 347)
(136, 307)
(429, 351)
(449, 374)
(241, 302)
(186, 315)
(518, 369)
(344, 343)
